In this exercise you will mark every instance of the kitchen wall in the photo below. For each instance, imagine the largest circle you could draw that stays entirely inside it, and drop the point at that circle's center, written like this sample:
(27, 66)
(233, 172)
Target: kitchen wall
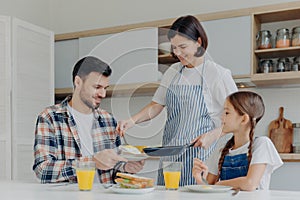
(38, 12)
(75, 15)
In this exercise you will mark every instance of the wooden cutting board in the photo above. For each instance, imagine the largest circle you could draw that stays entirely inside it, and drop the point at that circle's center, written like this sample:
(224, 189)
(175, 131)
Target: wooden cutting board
(281, 133)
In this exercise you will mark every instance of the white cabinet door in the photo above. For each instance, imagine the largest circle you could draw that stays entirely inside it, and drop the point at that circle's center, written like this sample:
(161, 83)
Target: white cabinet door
(5, 116)
(229, 43)
(32, 89)
(66, 54)
(132, 54)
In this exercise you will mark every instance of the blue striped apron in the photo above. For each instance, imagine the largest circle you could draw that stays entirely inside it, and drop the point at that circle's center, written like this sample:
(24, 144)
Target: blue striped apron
(187, 118)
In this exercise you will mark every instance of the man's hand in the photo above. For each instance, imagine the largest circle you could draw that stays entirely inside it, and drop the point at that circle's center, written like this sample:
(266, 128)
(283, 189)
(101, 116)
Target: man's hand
(134, 166)
(107, 159)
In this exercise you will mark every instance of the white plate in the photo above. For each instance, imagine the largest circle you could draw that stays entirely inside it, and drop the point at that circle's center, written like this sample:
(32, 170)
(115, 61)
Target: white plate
(208, 188)
(118, 189)
(135, 157)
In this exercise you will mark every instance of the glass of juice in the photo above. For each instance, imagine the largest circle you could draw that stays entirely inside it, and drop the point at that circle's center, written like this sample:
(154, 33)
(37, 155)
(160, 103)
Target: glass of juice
(85, 172)
(172, 172)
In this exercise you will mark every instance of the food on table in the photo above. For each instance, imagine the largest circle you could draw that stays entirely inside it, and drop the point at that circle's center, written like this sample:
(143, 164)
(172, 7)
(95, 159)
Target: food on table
(206, 187)
(141, 148)
(133, 181)
(129, 149)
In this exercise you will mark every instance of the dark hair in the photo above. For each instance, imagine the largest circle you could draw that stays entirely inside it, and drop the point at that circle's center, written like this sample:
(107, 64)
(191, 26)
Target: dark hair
(190, 28)
(245, 102)
(89, 64)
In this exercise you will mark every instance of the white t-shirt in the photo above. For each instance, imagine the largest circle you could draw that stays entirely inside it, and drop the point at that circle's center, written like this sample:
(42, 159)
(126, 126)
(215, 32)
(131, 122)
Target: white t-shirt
(263, 152)
(218, 84)
(84, 123)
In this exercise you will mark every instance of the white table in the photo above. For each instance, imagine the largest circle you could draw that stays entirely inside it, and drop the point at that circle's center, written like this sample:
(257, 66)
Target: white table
(12, 190)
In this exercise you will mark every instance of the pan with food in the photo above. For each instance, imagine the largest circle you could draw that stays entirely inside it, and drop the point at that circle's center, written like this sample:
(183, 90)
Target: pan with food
(167, 150)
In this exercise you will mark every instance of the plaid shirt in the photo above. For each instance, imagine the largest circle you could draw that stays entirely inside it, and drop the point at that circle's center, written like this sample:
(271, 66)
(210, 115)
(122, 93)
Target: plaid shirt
(57, 144)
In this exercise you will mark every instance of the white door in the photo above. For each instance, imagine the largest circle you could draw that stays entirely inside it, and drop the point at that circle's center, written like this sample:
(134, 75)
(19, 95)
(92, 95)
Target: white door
(5, 116)
(32, 90)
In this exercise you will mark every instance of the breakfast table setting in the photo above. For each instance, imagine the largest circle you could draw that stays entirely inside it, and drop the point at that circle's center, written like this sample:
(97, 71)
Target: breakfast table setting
(20, 190)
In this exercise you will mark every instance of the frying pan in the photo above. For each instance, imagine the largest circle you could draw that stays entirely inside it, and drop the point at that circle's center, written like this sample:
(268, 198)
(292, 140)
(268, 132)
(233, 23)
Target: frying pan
(166, 150)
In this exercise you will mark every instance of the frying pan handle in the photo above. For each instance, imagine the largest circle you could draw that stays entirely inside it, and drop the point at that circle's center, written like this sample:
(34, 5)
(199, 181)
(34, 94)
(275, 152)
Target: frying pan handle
(192, 144)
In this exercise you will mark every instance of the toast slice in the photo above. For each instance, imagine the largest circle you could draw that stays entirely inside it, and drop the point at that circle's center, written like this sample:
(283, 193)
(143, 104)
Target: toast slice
(133, 181)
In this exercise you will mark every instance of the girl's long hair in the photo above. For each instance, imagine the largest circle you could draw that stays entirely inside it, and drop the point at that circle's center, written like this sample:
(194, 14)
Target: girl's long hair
(244, 102)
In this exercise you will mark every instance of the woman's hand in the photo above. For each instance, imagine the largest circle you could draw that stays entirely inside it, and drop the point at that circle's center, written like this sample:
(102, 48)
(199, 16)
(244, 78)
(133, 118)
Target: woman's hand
(124, 125)
(207, 139)
(198, 168)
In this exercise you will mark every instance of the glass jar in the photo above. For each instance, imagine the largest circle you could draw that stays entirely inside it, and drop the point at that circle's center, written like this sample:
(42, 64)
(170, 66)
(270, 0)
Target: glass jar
(260, 66)
(296, 64)
(263, 39)
(266, 66)
(296, 36)
(282, 38)
(296, 137)
(280, 65)
(284, 65)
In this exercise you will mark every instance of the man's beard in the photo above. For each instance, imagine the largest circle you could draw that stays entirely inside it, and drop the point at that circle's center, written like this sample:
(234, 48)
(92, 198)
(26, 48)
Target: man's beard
(88, 103)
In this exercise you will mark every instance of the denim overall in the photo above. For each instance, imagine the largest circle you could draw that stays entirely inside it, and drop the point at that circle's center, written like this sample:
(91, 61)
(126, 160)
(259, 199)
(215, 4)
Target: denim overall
(234, 166)
(187, 118)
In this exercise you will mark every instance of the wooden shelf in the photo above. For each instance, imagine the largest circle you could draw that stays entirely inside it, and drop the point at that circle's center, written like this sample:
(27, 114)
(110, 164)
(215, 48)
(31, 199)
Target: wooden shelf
(290, 157)
(137, 89)
(278, 52)
(276, 78)
(291, 78)
(279, 15)
(132, 89)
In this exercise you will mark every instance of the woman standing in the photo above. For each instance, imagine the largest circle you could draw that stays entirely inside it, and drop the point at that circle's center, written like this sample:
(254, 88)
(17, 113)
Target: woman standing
(193, 92)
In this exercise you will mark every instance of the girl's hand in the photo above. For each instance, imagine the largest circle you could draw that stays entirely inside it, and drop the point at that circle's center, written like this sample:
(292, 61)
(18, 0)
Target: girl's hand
(198, 168)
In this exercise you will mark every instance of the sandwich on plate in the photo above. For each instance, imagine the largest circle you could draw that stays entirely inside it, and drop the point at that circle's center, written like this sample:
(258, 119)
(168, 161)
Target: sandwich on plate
(133, 181)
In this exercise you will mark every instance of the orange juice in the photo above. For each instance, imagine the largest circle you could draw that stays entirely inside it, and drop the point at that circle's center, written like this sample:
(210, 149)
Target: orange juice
(85, 178)
(172, 179)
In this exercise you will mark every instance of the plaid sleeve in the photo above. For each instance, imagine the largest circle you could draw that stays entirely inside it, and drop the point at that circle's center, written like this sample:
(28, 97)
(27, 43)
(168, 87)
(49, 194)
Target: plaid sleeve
(49, 164)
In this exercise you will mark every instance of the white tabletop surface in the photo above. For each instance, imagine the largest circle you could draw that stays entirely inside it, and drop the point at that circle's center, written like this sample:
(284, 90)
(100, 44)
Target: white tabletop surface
(12, 190)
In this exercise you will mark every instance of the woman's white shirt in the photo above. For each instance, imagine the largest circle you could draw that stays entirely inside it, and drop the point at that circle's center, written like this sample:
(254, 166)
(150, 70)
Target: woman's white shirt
(263, 152)
(218, 84)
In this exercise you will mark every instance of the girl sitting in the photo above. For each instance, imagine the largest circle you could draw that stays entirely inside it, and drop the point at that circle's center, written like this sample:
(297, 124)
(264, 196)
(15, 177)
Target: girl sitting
(243, 162)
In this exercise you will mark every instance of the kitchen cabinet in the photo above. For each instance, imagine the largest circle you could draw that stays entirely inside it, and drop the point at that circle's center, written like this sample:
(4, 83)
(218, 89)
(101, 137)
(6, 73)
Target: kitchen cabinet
(229, 43)
(27, 87)
(272, 20)
(65, 56)
(130, 54)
